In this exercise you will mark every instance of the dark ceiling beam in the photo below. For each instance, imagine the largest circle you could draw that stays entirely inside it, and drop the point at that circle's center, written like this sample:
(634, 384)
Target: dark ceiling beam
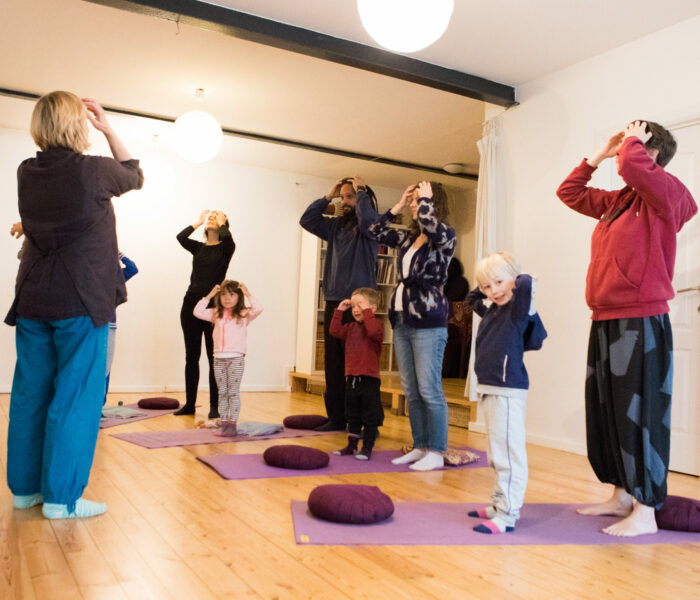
(311, 43)
(270, 139)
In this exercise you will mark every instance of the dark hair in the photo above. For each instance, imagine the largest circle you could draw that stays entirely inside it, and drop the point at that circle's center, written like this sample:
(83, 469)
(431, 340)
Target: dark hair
(231, 287)
(662, 140)
(350, 218)
(439, 202)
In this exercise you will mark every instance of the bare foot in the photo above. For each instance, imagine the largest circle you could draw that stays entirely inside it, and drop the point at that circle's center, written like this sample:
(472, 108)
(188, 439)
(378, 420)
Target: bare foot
(619, 505)
(640, 521)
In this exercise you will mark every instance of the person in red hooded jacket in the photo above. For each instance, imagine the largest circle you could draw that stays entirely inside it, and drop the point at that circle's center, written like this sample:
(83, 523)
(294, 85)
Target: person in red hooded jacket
(630, 349)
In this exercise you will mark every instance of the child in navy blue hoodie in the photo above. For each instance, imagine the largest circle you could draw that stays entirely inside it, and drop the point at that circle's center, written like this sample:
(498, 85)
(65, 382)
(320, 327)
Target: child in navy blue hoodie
(508, 327)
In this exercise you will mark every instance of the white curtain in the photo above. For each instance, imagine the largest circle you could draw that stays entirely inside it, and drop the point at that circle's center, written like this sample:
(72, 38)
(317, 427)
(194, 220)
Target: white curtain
(487, 218)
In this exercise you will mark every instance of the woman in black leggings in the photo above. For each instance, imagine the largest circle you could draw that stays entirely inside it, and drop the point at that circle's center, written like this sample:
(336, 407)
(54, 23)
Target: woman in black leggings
(209, 264)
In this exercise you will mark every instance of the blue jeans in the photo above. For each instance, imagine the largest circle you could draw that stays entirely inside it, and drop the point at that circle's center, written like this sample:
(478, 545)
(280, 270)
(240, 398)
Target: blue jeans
(55, 407)
(419, 353)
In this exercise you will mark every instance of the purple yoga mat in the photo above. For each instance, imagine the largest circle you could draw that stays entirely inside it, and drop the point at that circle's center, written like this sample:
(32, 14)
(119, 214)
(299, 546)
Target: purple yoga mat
(195, 437)
(447, 524)
(150, 413)
(252, 466)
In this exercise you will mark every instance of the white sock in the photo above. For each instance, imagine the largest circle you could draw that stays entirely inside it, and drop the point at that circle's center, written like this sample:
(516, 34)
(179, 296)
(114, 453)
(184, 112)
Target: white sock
(83, 508)
(412, 456)
(27, 501)
(432, 460)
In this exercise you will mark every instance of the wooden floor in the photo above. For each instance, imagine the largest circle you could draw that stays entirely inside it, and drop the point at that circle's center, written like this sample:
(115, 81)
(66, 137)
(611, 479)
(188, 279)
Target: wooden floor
(174, 529)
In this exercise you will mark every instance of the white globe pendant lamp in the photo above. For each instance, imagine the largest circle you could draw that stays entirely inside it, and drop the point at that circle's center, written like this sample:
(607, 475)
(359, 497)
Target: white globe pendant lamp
(405, 25)
(198, 136)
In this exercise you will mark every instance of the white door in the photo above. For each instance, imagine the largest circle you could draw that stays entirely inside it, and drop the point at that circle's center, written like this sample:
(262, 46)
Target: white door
(685, 314)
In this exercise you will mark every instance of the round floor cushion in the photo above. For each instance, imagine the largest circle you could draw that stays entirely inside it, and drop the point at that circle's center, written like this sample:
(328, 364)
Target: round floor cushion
(679, 514)
(350, 503)
(290, 456)
(159, 402)
(304, 421)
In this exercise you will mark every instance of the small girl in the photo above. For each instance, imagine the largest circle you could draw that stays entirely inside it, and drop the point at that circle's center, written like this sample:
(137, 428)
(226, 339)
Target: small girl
(509, 326)
(230, 317)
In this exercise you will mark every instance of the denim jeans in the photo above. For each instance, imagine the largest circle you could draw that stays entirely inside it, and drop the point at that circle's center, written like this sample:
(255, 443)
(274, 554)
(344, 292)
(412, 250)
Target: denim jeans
(419, 353)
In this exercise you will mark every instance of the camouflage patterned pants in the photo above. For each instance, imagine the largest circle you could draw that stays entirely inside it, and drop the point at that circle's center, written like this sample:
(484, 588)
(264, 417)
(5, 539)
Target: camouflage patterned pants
(628, 404)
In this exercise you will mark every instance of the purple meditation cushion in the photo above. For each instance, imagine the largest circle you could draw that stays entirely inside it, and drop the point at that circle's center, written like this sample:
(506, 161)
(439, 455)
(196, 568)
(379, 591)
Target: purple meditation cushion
(350, 503)
(679, 514)
(158, 403)
(304, 421)
(290, 456)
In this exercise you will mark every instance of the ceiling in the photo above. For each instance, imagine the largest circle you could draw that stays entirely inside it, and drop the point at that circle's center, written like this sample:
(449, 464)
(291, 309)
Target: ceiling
(154, 65)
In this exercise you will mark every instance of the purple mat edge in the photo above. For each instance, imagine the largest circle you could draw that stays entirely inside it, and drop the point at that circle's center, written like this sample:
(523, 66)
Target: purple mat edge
(352, 535)
(152, 413)
(208, 437)
(359, 466)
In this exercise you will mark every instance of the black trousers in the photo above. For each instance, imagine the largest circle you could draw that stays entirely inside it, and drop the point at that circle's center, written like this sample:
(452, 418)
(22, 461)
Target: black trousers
(628, 404)
(193, 329)
(363, 405)
(334, 366)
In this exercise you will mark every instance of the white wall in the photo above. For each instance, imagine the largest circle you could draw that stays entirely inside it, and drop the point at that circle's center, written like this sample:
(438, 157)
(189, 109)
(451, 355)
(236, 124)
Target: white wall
(263, 206)
(562, 119)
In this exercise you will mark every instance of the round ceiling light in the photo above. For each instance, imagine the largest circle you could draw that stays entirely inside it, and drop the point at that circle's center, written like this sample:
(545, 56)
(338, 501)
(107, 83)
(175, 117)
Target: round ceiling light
(405, 25)
(198, 136)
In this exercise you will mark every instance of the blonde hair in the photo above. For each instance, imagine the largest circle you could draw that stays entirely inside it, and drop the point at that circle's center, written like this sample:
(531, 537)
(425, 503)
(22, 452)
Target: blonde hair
(60, 119)
(370, 293)
(494, 266)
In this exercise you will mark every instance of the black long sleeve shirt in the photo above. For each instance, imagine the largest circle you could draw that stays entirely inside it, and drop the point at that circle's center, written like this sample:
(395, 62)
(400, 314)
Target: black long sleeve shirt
(209, 263)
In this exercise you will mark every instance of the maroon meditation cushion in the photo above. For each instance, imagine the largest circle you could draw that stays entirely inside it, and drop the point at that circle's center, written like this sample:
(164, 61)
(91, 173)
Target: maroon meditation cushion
(290, 456)
(159, 402)
(679, 514)
(304, 421)
(350, 503)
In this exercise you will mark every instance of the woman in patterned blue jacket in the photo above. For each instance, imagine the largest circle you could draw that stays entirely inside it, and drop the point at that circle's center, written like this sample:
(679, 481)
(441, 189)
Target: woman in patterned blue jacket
(418, 314)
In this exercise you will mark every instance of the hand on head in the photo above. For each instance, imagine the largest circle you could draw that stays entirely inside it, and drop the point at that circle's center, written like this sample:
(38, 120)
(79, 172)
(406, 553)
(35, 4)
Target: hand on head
(357, 181)
(425, 190)
(638, 129)
(202, 217)
(334, 192)
(344, 305)
(214, 291)
(96, 115)
(244, 288)
(220, 217)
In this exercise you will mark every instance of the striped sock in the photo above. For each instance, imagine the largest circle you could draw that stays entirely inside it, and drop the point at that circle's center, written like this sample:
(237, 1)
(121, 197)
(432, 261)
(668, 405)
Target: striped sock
(483, 513)
(494, 525)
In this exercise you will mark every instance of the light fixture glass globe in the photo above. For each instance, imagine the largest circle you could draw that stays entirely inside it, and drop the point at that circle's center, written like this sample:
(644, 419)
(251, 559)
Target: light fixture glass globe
(405, 25)
(198, 136)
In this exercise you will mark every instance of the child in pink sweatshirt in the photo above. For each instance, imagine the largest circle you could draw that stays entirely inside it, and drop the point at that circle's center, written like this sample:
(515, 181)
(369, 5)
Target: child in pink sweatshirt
(230, 317)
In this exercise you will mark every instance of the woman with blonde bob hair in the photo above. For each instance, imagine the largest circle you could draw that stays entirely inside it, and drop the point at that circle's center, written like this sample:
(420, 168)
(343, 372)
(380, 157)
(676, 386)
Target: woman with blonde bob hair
(68, 286)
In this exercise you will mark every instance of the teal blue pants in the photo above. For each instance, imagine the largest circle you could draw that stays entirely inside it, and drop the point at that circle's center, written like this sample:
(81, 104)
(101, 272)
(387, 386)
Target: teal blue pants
(55, 407)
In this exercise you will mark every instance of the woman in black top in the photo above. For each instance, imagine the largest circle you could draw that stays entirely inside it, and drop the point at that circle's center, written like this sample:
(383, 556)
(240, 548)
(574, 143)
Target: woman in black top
(68, 286)
(209, 264)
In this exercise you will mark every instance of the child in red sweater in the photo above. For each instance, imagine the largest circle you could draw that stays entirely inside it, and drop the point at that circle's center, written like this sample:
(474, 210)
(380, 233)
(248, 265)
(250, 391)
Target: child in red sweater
(363, 346)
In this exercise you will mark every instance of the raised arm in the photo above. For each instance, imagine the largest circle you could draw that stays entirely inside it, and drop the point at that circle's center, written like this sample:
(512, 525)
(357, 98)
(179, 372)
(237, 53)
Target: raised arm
(200, 309)
(382, 232)
(660, 190)
(374, 326)
(255, 308)
(184, 236)
(337, 328)
(441, 235)
(574, 190)
(475, 299)
(522, 297)
(130, 269)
